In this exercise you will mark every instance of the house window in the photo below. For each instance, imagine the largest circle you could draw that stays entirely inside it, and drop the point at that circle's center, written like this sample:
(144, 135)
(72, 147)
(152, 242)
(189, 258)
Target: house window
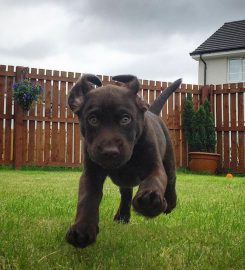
(236, 70)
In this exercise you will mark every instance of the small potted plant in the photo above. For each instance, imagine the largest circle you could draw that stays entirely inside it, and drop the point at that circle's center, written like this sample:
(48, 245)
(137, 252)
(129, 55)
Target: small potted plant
(199, 130)
(25, 92)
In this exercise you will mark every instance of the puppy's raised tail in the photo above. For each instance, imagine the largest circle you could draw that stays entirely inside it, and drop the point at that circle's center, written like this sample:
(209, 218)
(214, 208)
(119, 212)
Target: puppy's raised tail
(157, 105)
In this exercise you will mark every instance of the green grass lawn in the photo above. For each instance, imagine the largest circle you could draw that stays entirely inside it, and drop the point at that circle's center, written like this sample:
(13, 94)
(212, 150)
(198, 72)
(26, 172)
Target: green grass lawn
(206, 231)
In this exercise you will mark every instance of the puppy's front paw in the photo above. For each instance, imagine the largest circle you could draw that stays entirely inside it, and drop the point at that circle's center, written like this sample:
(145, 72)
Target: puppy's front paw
(82, 235)
(149, 203)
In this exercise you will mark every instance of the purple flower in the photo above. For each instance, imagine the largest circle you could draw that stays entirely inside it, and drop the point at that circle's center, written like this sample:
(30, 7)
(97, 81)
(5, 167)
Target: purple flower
(25, 92)
(15, 86)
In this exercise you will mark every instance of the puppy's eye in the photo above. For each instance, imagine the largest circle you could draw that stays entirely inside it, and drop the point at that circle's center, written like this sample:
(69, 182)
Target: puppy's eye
(126, 119)
(93, 120)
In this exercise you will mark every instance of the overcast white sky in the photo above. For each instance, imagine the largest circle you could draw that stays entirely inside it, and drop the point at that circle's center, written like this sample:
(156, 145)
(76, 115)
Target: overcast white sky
(151, 39)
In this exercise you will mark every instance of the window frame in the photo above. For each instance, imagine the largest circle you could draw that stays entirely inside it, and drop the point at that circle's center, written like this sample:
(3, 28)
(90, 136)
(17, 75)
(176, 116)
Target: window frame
(241, 71)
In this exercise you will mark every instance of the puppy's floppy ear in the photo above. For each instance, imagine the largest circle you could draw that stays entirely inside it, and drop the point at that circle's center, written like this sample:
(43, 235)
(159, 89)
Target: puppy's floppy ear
(131, 82)
(80, 89)
(141, 103)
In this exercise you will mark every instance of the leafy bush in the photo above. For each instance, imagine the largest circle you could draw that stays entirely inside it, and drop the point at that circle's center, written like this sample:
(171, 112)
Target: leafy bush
(199, 128)
(25, 92)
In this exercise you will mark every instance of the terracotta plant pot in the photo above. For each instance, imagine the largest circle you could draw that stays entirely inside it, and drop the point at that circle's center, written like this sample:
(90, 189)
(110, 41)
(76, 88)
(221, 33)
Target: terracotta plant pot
(203, 162)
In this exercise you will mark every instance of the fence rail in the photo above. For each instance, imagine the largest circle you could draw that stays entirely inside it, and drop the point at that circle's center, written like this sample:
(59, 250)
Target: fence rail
(48, 135)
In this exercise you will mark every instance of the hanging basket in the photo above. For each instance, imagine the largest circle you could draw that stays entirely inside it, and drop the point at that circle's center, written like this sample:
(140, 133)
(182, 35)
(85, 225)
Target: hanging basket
(25, 93)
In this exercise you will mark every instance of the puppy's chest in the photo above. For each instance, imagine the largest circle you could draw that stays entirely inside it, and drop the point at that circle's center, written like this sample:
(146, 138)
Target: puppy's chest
(130, 175)
(125, 180)
(141, 164)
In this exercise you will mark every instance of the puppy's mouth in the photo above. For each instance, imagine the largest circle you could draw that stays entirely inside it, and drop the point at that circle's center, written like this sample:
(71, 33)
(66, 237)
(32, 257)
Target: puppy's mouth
(109, 163)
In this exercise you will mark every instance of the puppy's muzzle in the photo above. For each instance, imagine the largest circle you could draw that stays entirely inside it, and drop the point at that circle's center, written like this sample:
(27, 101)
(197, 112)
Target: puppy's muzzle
(109, 157)
(110, 152)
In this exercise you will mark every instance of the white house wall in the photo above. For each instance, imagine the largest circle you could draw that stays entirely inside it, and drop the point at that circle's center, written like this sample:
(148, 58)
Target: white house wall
(216, 71)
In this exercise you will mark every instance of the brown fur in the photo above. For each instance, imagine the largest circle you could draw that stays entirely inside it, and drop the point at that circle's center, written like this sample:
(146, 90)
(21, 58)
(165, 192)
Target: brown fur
(125, 140)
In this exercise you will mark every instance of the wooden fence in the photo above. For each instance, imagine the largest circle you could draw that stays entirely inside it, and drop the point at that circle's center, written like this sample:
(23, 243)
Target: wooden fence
(229, 100)
(48, 135)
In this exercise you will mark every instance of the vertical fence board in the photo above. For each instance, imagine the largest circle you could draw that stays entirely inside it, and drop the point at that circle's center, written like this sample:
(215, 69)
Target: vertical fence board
(177, 128)
(151, 91)
(70, 118)
(233, 129)
(55, 131)
(2, 98)
(32, 128)
(196, 98)
(170, 113)
(164, 109)
(219, 127)
(24, 142)
(77, 136)
(145, 90)
(48, 114)
(158, 88)
(8, 132)
(39, 128)
(226, 128)
(20, 126)
(24, 128)
(184, 148)
(241, 133)
(62, 139)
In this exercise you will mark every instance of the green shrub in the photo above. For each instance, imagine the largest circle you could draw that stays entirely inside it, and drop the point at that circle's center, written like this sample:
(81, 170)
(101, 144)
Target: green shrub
(199, 128)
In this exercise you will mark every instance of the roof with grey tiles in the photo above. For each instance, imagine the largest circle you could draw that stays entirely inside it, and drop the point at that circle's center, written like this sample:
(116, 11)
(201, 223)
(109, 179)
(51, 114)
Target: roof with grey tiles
(231, 36)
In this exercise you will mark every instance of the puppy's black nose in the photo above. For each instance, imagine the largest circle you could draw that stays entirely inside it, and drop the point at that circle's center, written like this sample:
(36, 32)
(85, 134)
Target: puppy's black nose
(110, 152)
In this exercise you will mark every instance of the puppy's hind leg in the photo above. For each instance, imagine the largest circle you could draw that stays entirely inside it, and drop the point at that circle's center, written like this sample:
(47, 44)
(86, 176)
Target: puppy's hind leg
(123, 212)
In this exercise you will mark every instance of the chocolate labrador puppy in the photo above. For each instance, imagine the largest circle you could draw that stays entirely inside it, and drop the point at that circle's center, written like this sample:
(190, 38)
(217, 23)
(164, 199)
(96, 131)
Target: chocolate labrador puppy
(125, 139)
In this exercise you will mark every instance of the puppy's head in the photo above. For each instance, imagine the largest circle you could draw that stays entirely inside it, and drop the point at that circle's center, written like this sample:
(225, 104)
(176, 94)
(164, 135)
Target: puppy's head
(111, 117)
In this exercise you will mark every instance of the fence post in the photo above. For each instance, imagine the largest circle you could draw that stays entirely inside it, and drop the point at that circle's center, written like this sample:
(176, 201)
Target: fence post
(212, 98)
(207, 92)
(18, 123)
(204, 93)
